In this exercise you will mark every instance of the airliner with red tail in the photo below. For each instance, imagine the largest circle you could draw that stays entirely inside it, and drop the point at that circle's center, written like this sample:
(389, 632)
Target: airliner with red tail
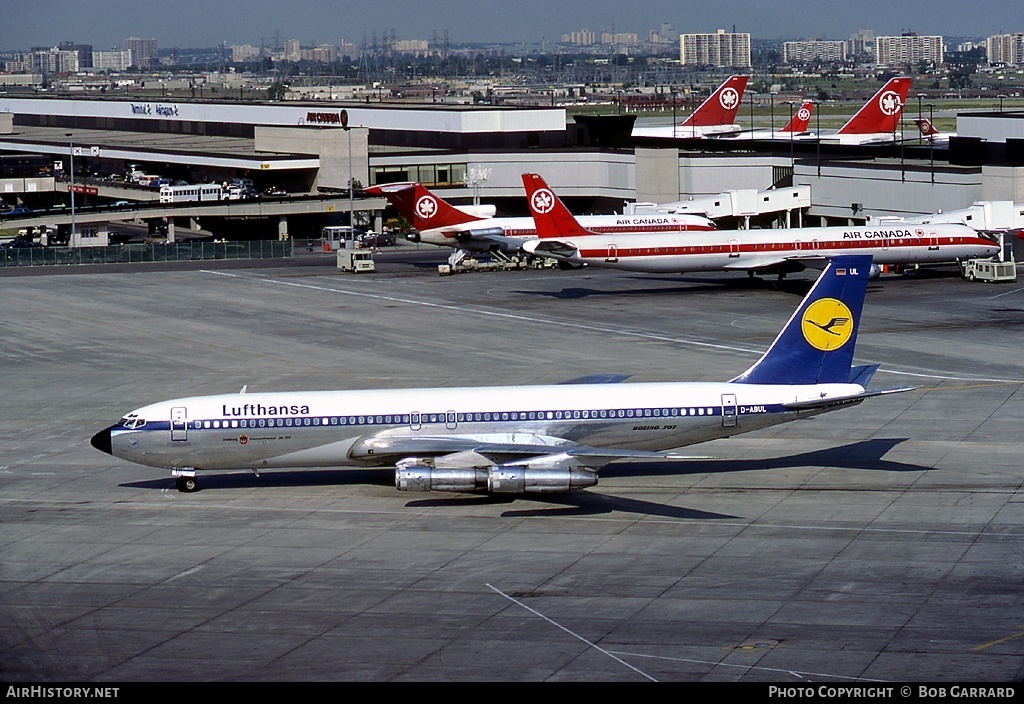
(474, 228)
(564, 238)
(878, 121)
(930, 134)
(715, 116)
(796, 128)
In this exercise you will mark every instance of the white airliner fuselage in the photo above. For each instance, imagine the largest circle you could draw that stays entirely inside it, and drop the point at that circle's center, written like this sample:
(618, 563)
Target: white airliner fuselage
(685, 131)
(520, 230)
(356, 428)
(751, 250)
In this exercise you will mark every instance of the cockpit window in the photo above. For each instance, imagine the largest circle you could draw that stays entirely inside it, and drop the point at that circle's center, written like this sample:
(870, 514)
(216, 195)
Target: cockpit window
(132, 422)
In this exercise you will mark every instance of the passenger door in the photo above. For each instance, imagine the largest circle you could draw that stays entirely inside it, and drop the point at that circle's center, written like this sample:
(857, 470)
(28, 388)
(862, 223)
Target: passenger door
(730, 413)
(179, 424)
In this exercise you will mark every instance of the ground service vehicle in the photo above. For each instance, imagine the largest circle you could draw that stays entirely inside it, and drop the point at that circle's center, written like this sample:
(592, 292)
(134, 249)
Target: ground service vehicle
(355, 260)
(989, 270)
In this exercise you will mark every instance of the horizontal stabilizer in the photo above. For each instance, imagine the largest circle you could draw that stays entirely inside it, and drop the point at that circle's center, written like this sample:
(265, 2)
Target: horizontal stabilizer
(837, 401)
(862, 375)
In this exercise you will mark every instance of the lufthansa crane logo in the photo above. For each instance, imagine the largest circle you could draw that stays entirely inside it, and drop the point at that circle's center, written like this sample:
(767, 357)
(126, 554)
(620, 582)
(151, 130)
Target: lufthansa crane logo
(890, 103)
(543, 201)
(426, 207)
(728, 98)
(827, 324)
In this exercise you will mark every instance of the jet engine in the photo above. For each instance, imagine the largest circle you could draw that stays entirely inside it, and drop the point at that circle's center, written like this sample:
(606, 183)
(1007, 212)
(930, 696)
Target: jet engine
(875, 271)
(508, 479)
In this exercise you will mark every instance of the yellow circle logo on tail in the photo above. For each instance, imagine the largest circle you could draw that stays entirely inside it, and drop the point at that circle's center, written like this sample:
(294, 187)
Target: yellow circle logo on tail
(827, 324)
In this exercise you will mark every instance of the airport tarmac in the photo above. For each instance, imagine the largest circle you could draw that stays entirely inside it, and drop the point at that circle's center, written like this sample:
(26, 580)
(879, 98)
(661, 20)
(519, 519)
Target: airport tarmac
(877, 544)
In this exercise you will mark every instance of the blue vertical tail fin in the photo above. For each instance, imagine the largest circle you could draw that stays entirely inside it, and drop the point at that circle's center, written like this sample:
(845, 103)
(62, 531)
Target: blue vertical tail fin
(816, 345)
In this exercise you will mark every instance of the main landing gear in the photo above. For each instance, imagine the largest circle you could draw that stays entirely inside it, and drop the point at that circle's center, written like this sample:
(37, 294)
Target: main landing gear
(186, 480)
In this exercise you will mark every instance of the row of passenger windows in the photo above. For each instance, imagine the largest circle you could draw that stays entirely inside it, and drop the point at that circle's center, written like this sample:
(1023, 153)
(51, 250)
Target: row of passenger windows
(769, 246)
(427, 418)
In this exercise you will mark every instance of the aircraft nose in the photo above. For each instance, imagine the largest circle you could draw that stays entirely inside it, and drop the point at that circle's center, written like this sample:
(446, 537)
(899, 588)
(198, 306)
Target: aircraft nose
(101, 441)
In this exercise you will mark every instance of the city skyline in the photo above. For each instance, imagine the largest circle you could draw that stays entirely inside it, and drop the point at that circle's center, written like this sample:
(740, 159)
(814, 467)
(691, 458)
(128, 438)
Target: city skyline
(206, 23)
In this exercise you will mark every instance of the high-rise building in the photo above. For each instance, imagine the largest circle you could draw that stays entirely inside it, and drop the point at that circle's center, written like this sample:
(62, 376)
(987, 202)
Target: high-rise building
(620, 38)
(53, 60)
(84, 53)
(862, 44)
(418, 47)
(143, 51)
(908, 50)
(581, 37)
(1005, 49)
(818, 51)
(113, 60)
(244, 52)
(720, 49)
(291, 50)
(348, 49)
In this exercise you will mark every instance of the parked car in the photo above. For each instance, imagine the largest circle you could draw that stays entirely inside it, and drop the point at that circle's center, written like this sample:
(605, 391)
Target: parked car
(17, 210)
(377, 239)
(19, 243)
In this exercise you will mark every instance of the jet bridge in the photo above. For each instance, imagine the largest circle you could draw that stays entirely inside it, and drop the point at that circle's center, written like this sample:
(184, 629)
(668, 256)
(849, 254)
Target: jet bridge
(740, 204)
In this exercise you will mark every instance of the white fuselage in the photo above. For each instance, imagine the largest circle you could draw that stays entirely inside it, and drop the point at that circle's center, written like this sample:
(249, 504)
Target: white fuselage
(769, 135)
(684, 131)
(861, 139)
(524, 229)
(343, 428)
(754, 249)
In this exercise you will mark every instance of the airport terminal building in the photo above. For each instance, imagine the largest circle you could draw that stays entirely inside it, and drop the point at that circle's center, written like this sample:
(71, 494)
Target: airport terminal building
(479, 152)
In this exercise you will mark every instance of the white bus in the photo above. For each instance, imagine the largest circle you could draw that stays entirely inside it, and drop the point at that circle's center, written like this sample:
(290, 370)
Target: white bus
(191, 193)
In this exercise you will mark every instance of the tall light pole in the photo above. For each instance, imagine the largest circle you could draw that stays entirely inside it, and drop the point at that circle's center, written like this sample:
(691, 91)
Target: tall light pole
(817, 130)
(351, 178)
(931, 141)
(792, 160)
(903, 170)
(73, 240)
(673, 90)
(771, 96)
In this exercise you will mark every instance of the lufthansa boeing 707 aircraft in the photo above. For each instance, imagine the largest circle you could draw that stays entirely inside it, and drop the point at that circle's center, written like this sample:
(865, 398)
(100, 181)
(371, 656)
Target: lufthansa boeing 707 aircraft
(512, 439)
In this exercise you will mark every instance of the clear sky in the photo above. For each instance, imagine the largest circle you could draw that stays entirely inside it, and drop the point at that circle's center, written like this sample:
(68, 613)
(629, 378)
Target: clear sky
(202, 23)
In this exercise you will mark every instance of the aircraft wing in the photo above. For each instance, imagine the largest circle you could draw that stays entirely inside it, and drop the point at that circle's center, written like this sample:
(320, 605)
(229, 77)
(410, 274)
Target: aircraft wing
(553, 452)
(597, 379)
(774, 261)
(484, 235)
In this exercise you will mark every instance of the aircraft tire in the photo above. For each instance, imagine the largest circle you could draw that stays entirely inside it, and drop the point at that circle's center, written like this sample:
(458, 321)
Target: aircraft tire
(187, 485)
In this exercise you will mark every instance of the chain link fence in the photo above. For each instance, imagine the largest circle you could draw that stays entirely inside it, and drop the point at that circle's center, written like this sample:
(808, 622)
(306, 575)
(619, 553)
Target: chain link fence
(170, 252)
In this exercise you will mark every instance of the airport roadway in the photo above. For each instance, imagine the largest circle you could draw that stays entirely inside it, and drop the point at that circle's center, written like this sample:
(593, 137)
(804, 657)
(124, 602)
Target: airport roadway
(878, 544)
